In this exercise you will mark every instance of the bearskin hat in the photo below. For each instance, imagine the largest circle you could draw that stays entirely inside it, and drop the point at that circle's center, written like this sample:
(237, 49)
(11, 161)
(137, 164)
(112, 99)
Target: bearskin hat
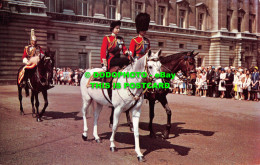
(114, 24)
(142, 21)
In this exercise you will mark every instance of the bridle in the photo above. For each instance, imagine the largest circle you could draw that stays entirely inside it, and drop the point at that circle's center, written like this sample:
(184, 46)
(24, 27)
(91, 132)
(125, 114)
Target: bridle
(186, 63)
(148, 79)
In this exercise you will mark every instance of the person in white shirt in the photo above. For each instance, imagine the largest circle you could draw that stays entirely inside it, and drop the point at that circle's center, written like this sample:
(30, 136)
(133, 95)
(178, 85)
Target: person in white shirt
(247, 86)
(222, 83)
(204, 83)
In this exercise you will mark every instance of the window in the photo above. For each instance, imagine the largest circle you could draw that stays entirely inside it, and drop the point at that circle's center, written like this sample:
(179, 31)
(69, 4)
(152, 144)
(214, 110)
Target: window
(138, 8)
(200, 47)
(112, 9)
(82, 7)
(51, 5)
(83, 61)
(82, 38)
(181, 18)
(228, 23)
(199, 61)
(161, 15)
(231, 48)
(50, 36)
(231, 61)
(239, 24)
(201, 15)
(161, 44)
(181, 46)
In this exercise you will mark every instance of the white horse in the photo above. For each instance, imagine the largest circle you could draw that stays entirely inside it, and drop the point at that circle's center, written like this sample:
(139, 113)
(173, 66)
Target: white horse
(122, 98)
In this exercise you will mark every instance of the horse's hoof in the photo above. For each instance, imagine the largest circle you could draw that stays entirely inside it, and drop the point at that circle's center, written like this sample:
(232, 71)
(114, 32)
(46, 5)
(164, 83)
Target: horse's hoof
(84, 138)
(165, 135)
(152, 135)
(22, 113)
(110, 125)
(141, 159)
(39, 119)
(98, 140)
(113, 149)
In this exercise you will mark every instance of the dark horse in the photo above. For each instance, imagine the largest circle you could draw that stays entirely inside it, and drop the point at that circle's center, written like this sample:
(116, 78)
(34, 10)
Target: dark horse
(39, 78)
(183, 61)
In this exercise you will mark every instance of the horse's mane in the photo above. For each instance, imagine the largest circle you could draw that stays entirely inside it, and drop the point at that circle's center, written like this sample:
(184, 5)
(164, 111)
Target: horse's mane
(172, 57)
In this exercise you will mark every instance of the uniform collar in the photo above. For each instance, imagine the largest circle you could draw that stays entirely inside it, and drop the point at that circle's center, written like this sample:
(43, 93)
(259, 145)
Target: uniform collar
(113, 34)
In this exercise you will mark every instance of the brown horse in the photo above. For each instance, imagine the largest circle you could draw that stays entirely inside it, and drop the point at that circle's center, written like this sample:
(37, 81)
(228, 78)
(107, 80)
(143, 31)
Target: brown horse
(183, 61)
(39, 78)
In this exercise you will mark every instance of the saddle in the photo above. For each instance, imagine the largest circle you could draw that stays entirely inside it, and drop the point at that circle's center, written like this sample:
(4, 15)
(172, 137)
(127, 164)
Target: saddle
(105, 80)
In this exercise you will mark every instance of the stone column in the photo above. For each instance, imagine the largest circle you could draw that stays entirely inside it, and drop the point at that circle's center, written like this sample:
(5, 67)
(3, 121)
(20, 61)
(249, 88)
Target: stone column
(245, 22)
(234, 16)
(215, 16)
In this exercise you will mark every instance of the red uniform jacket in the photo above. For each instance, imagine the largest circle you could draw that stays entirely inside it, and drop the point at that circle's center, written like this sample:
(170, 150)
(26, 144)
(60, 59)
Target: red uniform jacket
(30, 51)
(111, 47)
(139, 46)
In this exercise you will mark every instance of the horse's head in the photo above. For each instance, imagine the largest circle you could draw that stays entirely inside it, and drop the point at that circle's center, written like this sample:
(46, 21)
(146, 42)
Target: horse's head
(188, 65)
(153, 66)
(183, 61)
(46, 64)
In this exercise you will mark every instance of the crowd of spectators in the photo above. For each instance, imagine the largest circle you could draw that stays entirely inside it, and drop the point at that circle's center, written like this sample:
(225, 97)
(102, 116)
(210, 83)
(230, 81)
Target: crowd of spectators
(229, 82)
(67, 76)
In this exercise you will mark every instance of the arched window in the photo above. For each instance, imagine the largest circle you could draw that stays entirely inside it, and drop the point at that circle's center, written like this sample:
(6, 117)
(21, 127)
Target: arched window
(201, 15)
(183, 10)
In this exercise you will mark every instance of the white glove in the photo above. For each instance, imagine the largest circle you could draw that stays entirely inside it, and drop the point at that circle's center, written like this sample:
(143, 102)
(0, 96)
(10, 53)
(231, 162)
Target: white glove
(25, 61)
(104, 68)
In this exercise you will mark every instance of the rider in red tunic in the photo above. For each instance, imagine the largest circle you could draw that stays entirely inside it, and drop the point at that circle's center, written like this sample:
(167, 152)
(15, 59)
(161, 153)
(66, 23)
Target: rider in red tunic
(140, 45)
(31, 56)
(111, 47)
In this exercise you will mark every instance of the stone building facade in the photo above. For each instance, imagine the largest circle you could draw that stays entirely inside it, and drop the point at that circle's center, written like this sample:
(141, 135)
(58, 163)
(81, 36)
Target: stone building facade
(225, 32)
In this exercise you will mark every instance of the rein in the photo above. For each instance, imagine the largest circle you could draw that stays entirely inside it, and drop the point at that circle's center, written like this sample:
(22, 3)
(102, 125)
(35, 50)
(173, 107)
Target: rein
(135, 97)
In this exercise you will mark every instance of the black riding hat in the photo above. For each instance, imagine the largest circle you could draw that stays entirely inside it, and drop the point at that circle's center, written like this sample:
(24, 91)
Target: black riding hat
(114, 24)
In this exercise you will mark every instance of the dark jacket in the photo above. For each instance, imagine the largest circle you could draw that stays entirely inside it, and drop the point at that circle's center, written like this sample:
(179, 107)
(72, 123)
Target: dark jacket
(210, 75)
(216, 77)
(230, 78)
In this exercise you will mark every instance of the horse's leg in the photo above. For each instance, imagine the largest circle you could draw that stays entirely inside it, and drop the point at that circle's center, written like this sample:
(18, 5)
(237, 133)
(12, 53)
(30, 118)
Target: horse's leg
(136, 115)
(96, 116)
(165, 105)
(32, 102)
(129, 123)
(37, 103)
(114, 128)
(20, 99)
(85, 106)
(45, 97)
(111, 117)
(151, 115)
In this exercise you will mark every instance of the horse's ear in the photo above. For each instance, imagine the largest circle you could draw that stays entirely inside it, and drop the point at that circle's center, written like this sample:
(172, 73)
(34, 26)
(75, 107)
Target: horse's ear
(193, 54)
(149, 53)
(159, 52)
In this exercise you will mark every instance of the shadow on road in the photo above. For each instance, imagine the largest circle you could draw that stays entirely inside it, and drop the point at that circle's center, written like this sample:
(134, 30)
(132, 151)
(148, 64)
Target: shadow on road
(51, 115)
(175, 129)
(147, 143)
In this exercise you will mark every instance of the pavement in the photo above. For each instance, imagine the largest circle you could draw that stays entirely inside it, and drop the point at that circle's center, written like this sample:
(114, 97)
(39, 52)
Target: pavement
(204, 131)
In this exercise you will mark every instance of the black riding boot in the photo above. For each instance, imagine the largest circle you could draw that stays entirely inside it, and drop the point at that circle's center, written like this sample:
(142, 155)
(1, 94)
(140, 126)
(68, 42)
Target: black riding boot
(25, 79)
